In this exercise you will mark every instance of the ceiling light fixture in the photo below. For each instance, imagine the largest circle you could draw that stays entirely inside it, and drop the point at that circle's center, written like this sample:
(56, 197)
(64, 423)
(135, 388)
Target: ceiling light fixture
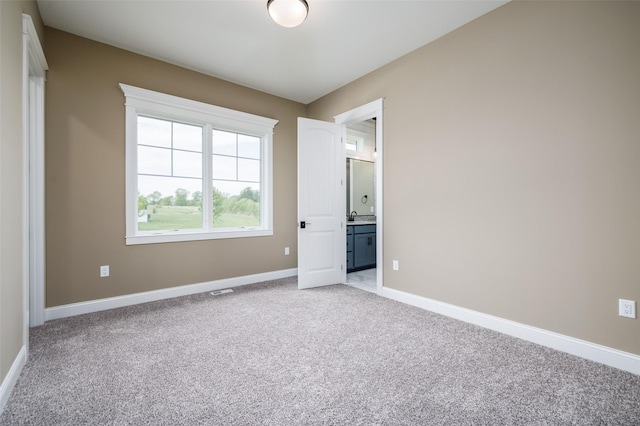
(288, 13)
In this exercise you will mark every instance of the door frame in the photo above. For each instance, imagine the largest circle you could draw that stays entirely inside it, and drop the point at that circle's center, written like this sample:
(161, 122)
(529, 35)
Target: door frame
(33, 83)
(365, 112)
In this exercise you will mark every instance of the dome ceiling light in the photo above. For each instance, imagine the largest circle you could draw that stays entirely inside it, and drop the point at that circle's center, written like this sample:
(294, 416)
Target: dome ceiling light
(288, 13)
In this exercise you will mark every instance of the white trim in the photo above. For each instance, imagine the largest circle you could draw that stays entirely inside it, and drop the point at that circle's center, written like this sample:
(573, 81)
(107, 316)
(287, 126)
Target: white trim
(34, 71)
(242, 122)
(612, 357)
(12, 377)
(361, 113)
(80, 308)
(26, 178)
(177, 236)
(131, 170)
(37, 254)
(37, 60)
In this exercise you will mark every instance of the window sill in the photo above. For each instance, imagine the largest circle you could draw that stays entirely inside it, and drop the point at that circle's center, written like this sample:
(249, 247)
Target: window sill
(181, 236)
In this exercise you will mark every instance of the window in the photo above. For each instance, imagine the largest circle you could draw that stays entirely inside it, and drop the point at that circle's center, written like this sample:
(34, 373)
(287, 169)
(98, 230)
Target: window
(353, 143)
(195, 171)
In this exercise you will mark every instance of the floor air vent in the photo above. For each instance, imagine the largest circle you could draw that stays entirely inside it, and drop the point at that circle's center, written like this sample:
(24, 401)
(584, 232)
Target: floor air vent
(219, 292)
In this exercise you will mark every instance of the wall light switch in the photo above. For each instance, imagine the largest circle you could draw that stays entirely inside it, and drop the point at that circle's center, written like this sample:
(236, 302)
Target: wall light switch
(286, 251)
(395, 265)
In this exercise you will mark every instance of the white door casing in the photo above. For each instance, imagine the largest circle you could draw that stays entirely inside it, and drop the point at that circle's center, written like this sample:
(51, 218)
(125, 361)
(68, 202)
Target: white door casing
(321, 204)
(372, 109)
(34, 71)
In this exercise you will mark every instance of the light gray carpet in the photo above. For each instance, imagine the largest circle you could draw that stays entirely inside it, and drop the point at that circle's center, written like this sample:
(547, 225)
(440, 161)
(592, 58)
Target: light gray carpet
(271, 354)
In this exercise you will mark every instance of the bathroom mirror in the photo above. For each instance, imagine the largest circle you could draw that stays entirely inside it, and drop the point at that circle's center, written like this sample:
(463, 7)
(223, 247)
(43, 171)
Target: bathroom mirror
(361, 186)
(360, 147)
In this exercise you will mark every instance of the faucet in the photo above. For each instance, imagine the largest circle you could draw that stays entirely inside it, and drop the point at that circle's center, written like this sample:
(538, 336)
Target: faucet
(352, 216)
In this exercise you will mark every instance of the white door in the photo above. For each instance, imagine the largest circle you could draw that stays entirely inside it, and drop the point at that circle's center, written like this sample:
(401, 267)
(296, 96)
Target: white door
(321, 204)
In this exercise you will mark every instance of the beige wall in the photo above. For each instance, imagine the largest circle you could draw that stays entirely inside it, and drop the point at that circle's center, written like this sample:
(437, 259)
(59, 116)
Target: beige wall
(516, 142)
(85, 177)
(11, 172)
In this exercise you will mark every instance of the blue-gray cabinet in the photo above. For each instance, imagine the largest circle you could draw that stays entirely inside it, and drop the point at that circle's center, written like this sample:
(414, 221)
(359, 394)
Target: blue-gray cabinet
(361, 247)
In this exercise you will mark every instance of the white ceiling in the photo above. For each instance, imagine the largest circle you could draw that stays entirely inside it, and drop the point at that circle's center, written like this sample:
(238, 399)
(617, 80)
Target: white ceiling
(235, 40)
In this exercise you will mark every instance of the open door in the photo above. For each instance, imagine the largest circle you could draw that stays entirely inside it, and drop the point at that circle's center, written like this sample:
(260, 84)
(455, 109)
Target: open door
(321, 204)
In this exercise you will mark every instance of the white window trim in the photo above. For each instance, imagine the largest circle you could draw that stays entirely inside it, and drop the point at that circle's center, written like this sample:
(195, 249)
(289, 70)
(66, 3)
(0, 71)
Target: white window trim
(147, 102)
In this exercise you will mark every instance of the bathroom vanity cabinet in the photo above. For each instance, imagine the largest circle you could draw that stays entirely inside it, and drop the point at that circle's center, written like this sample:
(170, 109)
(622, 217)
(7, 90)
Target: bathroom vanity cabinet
(361, 247)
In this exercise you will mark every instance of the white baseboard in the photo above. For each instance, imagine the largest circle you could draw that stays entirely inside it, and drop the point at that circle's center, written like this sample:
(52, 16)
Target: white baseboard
(591, 351)
(12, 377)
(80, 308)
(615, 358)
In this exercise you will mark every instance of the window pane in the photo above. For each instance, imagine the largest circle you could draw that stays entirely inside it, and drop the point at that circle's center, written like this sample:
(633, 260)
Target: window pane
(154, 161)
(235, 204)
(224, 142)
(187, 137)
(224, 167)
(248, 146)
(187, 164)
(152, 131)
(167, 204)
(248, 170)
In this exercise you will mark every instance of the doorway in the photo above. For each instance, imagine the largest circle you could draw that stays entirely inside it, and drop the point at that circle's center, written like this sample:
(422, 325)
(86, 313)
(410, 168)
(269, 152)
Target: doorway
(360, 150)
(322, 216)
(364, 143)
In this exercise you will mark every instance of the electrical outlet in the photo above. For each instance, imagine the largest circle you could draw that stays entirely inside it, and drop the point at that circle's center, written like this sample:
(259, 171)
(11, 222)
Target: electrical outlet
(395, 265)
(104, 271)
(286, 251)
(627, 308)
